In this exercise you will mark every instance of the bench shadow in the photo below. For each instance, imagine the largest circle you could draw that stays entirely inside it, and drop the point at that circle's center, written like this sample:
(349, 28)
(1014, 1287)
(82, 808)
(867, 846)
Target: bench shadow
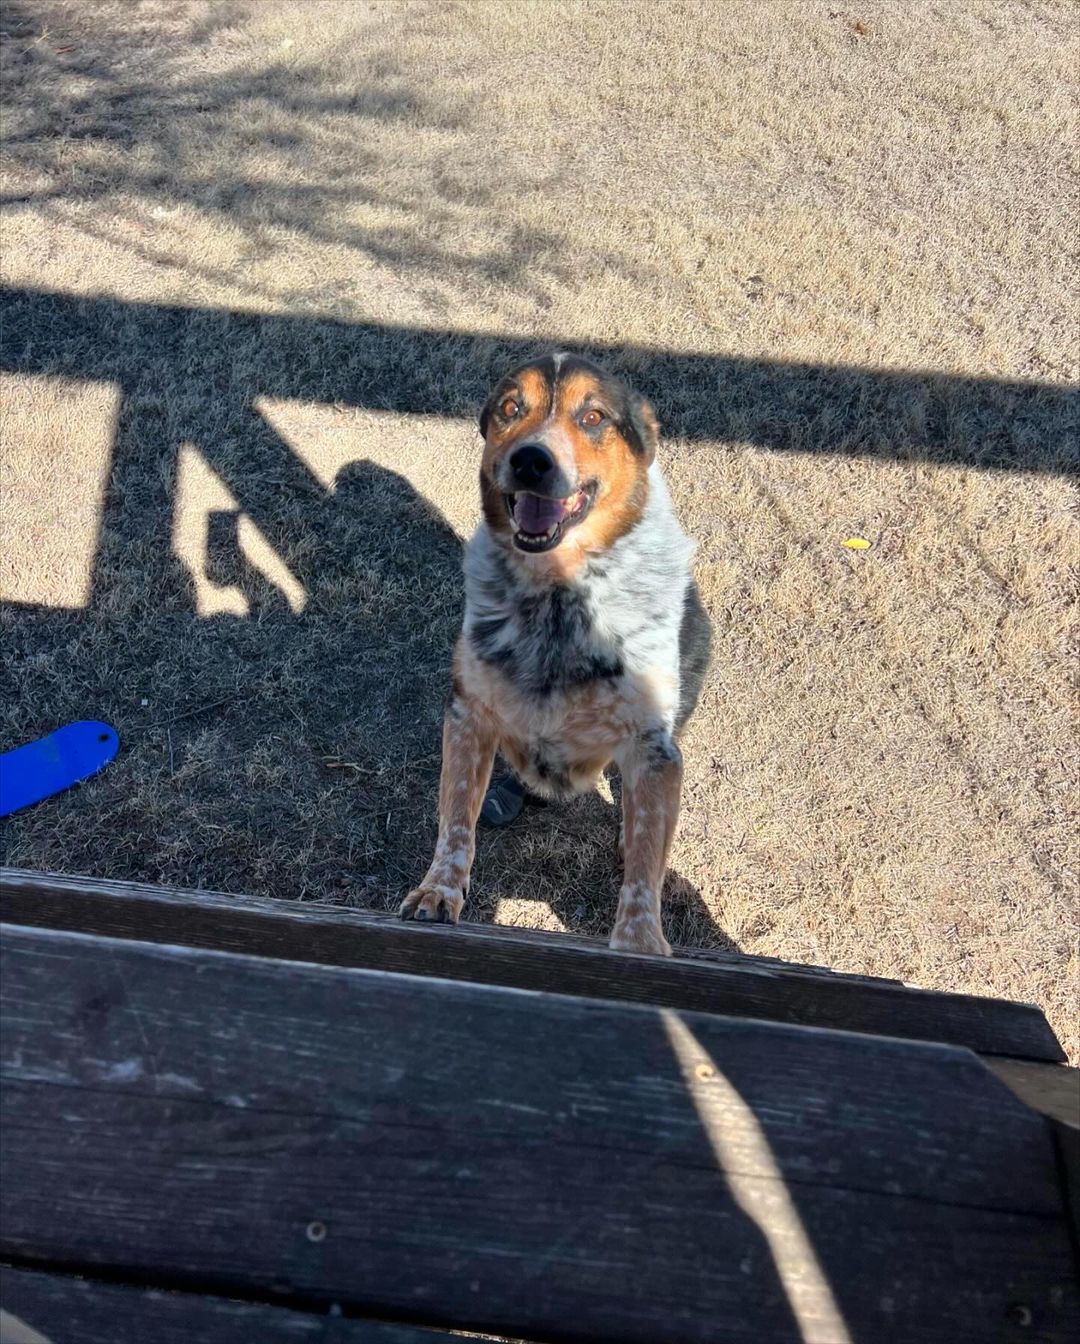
(102, 126)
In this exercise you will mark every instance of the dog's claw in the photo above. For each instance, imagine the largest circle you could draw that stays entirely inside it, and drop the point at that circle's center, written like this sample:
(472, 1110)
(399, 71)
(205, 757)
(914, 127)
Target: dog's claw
(433, 905)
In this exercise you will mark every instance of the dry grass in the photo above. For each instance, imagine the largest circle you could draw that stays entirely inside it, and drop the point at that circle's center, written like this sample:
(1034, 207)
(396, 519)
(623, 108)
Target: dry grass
(263, 595)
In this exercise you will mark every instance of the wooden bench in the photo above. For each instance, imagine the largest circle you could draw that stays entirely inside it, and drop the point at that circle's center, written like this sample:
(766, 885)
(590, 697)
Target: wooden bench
(240, 1119)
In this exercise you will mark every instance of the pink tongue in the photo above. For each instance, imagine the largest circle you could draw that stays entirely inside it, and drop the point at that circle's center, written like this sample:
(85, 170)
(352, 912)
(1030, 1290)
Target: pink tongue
(535, 515)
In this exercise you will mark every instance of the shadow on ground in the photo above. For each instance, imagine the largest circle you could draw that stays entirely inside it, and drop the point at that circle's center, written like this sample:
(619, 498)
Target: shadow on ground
(113, 115)
(116, 119)
(276, 752)
(298, 753)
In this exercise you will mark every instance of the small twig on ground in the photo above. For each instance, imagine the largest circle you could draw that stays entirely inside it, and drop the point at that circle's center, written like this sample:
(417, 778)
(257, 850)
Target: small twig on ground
(332, 763)
(190, 713)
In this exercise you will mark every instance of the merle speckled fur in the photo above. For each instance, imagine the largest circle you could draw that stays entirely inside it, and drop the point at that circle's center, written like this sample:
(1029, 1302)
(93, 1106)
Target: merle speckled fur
(634, 610)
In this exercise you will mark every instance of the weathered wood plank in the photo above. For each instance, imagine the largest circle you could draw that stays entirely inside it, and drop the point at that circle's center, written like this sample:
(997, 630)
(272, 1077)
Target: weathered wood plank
(1067, 1141)
(1053, 1089)
(64, 1309)
(514, 1162)
(743, 987)
(27, 891)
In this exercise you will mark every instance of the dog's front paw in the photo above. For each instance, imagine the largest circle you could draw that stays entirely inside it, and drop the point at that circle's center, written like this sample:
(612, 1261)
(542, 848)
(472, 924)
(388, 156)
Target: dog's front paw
(637, 922)
(432, 902)
(639, 933)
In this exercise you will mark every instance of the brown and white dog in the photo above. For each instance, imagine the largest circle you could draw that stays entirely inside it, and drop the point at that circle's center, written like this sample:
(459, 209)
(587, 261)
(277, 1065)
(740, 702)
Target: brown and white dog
(584, 640)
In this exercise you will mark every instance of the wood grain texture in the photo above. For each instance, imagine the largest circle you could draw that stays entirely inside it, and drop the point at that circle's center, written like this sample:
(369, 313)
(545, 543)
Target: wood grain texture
(515, 1162)
(65, 1309)
(735, 986)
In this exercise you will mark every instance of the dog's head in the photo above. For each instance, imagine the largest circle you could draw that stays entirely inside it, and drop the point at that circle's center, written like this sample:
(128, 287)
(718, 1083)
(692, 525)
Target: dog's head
(567, 449)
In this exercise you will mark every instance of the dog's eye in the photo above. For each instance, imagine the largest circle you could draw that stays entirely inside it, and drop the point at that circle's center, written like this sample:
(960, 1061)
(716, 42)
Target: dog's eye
(592, 418)
(509, 409)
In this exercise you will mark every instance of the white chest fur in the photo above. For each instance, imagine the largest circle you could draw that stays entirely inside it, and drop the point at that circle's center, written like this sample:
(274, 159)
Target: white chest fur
(573, 670)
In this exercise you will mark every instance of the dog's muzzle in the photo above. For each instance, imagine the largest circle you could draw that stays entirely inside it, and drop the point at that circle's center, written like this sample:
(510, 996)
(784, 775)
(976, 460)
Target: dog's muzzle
(540, 522)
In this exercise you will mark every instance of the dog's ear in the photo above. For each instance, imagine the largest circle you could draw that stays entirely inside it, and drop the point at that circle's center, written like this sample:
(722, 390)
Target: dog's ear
(645, 425)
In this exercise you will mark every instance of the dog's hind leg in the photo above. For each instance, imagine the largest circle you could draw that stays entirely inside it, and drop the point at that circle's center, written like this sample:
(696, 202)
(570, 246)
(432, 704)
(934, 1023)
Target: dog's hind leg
(651, 785)
(469, 742)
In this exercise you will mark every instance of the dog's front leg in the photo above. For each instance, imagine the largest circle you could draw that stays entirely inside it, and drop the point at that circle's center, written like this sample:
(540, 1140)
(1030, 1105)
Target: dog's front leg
(652, 783)
(469, 742)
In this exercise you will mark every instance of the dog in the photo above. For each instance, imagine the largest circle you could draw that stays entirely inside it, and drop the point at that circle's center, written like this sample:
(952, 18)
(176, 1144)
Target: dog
(584, 642)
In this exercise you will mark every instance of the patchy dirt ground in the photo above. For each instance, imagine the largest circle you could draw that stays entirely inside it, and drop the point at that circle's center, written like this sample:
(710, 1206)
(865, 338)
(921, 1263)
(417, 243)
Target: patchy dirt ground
(261, 259)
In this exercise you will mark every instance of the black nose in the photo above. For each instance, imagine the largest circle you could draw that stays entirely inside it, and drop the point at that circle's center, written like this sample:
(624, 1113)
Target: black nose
(531, 465)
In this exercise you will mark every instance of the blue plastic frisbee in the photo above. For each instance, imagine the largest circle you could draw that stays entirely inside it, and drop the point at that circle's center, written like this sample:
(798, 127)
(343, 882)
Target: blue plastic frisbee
(54, 763)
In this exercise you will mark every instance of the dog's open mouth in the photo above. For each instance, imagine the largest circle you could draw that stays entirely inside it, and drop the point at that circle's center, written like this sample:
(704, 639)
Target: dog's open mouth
(540, 523)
